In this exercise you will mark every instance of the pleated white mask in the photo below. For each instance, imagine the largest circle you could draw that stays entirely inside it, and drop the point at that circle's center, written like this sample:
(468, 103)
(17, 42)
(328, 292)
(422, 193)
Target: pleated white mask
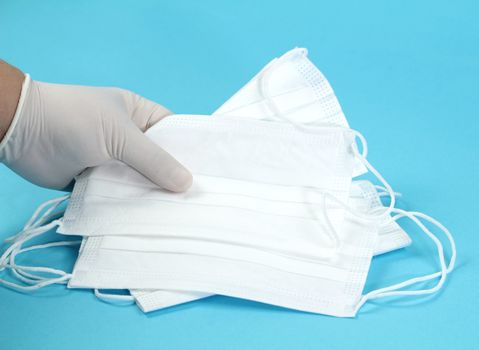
(290, 88)
(247, 170)
(364, 197)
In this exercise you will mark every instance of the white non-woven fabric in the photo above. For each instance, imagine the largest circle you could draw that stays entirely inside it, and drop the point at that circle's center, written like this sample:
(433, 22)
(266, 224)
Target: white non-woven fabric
(363, 197)
(245, 171)
(329, 282)
(289, 88)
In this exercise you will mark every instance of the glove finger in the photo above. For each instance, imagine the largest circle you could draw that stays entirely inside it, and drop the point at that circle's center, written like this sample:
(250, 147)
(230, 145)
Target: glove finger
(152, 161)
(147, 113)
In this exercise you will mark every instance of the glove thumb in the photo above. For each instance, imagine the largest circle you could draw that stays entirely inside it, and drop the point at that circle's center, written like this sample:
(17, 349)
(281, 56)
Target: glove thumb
(142, 154)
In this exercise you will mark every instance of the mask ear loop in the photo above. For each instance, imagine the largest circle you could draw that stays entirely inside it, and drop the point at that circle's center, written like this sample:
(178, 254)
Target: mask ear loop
(114, 298)
(36, 286)
(20, 271)
(16, 246)
(46, 217)
(31, 230)
(54, 203)
(395, 290)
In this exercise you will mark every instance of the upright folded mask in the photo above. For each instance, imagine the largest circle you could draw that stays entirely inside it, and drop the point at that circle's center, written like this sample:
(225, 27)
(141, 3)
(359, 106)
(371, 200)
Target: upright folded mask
(289, 88)
(296, 91)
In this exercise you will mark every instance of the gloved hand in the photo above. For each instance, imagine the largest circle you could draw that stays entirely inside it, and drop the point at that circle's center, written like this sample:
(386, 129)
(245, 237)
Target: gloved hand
(59, 130)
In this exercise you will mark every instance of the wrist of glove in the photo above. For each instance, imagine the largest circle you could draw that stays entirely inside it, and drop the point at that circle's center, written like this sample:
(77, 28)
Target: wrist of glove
(60, 130)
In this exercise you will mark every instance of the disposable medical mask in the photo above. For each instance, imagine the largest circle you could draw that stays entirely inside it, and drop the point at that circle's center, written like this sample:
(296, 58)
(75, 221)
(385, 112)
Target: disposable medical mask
(324, 283)
(250, 176)
(364, 197)
(296, 92)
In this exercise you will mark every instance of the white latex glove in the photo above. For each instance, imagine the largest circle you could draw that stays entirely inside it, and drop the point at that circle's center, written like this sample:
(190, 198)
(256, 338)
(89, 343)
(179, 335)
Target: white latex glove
(59, 130)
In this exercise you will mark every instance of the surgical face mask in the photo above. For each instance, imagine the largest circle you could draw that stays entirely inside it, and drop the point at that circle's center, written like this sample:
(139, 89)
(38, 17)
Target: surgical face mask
(289, 88)
(364, 197)
(324, 283)
(246, 173)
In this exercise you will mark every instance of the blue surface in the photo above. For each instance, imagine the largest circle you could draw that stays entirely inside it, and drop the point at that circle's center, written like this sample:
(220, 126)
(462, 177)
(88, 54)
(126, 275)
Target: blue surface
(406, 74)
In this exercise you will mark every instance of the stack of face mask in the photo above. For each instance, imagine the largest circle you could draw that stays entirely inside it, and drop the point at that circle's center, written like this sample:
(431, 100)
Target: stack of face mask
(274, 214)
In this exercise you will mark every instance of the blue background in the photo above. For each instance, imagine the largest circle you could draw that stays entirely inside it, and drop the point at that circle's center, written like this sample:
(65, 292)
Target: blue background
(406, 74)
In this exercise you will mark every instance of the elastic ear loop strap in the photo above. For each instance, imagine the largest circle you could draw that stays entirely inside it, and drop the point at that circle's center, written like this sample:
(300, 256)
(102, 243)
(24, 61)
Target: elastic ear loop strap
(20, 271)
(394, 290)
(115, 298)
(33, 229)
(54, 203)
(46, 217)
(16, 246)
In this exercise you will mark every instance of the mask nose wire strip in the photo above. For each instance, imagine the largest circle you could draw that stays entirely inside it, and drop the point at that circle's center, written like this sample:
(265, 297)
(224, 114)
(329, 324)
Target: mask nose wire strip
(394, 290)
